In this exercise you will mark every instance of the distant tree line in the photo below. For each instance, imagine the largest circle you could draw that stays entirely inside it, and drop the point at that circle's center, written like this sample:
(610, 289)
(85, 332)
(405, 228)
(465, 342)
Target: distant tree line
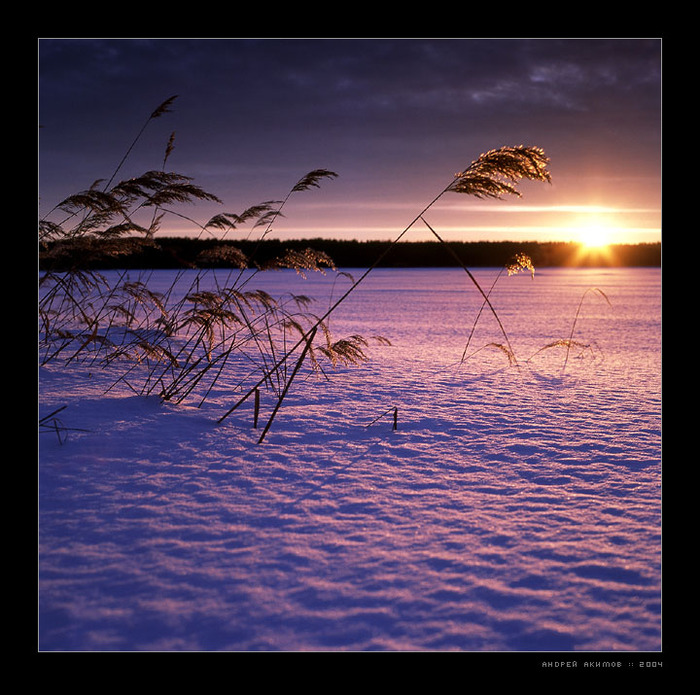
(183, 252)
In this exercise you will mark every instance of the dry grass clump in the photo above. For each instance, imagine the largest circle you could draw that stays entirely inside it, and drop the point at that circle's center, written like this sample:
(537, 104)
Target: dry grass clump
(497, 172)
(180, 343)
(176, 344)
(569, 343)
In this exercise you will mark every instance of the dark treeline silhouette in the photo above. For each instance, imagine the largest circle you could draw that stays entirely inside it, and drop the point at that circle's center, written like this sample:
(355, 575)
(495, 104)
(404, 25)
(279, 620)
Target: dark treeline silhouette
(183, 252)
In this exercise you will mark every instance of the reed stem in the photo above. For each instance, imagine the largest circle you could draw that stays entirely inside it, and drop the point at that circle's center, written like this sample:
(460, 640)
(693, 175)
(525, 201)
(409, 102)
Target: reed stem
(287, 385)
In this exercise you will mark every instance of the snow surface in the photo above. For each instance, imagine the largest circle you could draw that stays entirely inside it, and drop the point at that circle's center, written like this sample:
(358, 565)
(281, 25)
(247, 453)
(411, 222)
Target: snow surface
(514, 508)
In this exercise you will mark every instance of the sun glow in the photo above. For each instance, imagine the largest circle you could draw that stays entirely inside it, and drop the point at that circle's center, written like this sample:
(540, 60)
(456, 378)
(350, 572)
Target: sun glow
(594, 236)
(596, 244)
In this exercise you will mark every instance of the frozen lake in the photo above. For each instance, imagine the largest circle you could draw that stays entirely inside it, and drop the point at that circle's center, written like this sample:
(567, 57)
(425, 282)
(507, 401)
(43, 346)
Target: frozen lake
(515, 508)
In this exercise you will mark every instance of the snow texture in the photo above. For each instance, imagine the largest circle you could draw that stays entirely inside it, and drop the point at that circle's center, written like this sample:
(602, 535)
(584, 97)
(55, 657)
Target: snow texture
(515, 508)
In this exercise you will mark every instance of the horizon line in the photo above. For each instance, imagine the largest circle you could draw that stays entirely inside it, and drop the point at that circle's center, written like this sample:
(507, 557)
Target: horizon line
(202, 237)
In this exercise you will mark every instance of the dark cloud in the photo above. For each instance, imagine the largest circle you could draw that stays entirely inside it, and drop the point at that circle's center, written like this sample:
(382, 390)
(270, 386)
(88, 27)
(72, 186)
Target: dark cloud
(451, 75)
(370, 108)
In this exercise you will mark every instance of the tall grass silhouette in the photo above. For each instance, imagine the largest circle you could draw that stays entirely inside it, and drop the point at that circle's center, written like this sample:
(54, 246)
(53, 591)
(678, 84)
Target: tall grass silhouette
(176, 344)
(180, 343)
(569, 343)
(493, 174)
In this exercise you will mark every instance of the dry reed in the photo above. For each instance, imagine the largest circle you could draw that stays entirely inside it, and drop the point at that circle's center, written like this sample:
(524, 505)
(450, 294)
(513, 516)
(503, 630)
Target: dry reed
(179, 345)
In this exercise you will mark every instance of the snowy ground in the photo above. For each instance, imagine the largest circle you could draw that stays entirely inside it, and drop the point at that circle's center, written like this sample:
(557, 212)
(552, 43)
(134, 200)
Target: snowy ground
(514, 509)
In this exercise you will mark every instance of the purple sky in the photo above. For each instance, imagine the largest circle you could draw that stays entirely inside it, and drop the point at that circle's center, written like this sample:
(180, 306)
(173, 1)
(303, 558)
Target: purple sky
(394, 118)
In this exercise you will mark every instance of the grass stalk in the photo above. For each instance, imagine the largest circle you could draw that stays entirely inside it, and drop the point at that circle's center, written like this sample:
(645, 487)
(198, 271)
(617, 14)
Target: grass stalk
(395, 417)
(570, 341)
(300, 361)
(485, 296)
(186, 343)
(490, 175)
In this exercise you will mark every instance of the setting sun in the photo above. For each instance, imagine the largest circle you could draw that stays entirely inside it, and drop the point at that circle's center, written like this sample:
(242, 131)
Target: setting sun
(594, 236)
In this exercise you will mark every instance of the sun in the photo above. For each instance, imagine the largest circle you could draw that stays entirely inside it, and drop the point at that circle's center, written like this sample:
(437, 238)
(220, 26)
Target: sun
(595, 244)
(594, 236)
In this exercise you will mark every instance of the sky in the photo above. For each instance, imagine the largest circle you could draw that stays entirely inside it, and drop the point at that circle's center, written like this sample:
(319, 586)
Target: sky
(395, 119)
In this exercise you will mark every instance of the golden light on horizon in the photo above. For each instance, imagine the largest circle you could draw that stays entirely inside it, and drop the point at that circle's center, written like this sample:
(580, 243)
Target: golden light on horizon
(595, 236)
(596, 241)
(596, 229)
